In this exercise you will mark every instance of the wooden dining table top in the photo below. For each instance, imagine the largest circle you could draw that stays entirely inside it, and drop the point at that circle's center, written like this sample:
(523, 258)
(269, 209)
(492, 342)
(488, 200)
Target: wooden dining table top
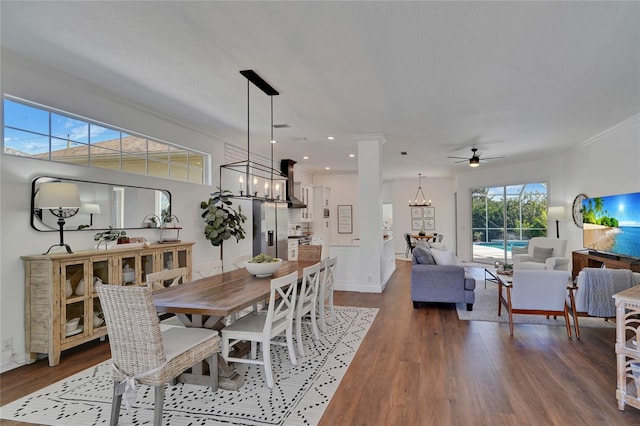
(223, 294)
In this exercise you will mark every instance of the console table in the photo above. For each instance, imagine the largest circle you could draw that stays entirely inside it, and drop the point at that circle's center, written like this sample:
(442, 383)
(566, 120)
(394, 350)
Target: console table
(60, 287)
(584, 259)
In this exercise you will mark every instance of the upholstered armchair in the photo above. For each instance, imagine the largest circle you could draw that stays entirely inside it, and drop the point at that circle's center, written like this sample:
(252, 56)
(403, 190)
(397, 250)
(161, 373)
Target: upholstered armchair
(543, 253)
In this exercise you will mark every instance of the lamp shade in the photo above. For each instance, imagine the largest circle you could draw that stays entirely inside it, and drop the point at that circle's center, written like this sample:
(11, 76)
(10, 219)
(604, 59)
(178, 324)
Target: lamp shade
(91, 208)
(58, 195)
(556, 213)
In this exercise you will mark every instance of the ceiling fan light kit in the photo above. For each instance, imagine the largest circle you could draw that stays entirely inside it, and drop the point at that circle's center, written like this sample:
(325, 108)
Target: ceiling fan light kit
(474, 161)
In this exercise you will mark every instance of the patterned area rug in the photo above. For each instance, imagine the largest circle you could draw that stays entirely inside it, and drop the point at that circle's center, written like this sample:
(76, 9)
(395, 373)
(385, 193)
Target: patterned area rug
(299, 396)
(485, 308)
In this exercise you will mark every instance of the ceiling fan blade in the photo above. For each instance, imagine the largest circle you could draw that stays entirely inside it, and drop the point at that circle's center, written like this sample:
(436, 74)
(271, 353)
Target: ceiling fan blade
(491, 158)
(462, 158)
(462, 161)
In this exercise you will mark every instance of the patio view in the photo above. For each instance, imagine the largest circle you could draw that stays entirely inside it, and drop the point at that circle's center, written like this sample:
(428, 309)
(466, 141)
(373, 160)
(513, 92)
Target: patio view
(504, 217)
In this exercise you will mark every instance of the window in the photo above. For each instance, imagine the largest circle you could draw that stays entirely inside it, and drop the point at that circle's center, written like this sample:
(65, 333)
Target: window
(504, 217)
(42, 133)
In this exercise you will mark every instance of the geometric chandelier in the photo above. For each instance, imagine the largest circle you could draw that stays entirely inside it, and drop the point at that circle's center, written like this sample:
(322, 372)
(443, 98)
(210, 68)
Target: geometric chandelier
(424, 202)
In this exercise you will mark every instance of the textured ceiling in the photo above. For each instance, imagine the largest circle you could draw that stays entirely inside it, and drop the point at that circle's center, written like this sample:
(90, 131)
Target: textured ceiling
(514, 79)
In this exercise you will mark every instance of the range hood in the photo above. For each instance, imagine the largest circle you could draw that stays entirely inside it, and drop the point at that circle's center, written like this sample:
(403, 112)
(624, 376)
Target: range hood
(286, 167)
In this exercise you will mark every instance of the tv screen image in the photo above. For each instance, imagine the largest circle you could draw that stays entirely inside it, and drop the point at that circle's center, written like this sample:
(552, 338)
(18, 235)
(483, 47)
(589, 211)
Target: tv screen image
(611, 224)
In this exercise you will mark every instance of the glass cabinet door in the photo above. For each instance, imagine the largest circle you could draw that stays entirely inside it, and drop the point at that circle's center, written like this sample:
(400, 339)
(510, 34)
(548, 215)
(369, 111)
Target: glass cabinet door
(101, 273)
(73, 308)
(147, 265)
(128, 270)
(168, 259)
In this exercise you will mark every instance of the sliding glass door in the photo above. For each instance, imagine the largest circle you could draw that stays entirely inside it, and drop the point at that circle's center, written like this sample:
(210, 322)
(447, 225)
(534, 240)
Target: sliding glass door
(504, 217)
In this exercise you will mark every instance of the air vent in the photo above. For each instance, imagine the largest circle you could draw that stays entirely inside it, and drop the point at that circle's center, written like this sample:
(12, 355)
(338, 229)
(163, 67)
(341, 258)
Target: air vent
(281, 126)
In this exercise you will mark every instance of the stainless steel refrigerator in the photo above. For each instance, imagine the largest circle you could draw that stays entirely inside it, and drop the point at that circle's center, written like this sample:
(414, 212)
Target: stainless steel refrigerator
(270, 229)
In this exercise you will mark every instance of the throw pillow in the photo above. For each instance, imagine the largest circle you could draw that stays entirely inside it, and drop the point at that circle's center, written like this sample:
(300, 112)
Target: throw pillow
(445, 257)
(542, 254)
(423, 256)
(437, 246)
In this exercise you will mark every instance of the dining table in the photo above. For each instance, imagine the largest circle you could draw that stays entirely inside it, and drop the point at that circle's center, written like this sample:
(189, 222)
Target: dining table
(425, 237)
(207, 302)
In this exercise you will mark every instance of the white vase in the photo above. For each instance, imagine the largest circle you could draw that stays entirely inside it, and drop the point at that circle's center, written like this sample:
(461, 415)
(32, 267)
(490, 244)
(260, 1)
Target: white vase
(68, 288)
(80, 287)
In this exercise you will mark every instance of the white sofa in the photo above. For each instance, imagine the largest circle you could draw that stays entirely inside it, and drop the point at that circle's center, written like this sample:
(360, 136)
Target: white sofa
(543, 254)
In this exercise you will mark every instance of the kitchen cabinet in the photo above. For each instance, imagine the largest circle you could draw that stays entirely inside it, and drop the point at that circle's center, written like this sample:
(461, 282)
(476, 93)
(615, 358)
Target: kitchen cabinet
(303, 192)
(61, 287)
(292, 249)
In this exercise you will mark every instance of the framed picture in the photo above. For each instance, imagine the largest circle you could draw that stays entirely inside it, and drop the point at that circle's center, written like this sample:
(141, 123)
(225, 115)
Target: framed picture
(416, 212)
(429, 224)
(345, 224)
(416, 224)
(429, 212)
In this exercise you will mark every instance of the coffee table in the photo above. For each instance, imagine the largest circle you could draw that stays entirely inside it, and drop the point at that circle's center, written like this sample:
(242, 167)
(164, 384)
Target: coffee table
(503, 281)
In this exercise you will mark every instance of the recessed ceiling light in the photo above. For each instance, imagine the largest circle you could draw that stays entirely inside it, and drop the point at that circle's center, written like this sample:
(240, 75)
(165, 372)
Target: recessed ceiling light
(330, 138)
(273, 141)
(351, 155)
(305, 158)
(327, 168)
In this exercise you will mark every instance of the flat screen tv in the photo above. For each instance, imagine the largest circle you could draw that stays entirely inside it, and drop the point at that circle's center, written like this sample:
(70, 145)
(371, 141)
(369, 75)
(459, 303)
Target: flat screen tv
(611, 224)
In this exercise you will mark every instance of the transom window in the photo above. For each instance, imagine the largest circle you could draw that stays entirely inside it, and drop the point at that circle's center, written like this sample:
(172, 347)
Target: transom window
(39, 132)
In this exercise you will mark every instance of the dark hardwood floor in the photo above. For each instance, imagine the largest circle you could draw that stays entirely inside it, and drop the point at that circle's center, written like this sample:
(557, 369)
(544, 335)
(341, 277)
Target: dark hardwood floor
(426, 367)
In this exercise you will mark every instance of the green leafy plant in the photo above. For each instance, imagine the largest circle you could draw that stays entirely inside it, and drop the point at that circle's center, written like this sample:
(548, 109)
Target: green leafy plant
(108, 235)
(222, 220)
(263, 258)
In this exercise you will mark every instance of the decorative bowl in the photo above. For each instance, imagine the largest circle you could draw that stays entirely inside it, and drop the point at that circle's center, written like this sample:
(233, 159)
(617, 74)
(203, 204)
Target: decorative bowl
(262, 270)
(72, 324)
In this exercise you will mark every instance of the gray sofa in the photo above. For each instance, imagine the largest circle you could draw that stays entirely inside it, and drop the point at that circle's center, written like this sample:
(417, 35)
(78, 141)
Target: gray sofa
(439, 283)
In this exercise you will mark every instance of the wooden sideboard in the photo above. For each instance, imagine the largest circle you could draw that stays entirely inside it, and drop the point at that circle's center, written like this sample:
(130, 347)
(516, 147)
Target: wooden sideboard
(60, 287)
(583, 259)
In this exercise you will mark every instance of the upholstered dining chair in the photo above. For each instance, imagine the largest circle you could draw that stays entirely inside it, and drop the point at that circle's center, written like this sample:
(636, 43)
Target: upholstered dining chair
(260, 328)
(309, 253)
(325, 293)
(167, 278)
(142, 353)
(207, 269)
(307, 303)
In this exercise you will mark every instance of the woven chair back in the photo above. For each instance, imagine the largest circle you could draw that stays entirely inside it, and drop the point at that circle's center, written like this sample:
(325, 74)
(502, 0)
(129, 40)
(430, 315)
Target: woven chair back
(309, 253)
(133, 327)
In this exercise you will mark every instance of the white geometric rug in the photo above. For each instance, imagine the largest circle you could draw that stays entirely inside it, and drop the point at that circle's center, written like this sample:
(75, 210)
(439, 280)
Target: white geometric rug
(299, 396)
(485, 308)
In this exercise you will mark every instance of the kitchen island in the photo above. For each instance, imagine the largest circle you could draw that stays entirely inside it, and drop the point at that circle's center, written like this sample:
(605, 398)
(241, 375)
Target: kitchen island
(349, 274)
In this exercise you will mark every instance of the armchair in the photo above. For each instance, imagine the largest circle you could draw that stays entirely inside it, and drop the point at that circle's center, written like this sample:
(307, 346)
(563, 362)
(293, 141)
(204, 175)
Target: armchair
(535, 293)
(543, 254)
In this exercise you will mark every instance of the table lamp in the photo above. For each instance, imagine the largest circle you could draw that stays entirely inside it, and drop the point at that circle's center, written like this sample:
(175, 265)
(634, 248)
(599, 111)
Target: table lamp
(63, 200)
(91, 209)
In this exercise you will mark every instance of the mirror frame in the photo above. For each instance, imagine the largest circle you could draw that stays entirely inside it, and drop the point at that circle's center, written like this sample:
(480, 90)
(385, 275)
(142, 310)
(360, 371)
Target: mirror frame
(38, 218)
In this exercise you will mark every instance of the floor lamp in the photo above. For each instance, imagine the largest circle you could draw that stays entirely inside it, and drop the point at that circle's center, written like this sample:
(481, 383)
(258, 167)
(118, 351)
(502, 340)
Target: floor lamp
(63, 200)
(556, 213)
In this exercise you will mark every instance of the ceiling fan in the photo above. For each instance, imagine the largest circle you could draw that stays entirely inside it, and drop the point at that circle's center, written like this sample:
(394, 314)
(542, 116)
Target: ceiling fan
(474, 161)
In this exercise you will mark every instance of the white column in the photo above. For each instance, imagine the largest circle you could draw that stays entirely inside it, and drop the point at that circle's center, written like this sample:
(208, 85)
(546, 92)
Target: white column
(370, 210)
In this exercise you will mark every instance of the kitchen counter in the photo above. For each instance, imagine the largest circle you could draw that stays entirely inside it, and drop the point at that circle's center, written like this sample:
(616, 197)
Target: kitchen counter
(348, 277)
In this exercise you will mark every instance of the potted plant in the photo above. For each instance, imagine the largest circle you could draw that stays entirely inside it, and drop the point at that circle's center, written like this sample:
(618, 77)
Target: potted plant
(222, 221)
(108, 236)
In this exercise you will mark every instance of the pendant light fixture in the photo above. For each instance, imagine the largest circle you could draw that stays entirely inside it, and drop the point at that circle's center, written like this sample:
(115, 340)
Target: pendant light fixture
(253, 179)
(415, 202)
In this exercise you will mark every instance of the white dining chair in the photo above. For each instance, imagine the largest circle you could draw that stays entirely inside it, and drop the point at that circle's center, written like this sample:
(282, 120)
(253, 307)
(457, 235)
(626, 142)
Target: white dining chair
(325, 293)
(167, 278)
(258, 328)
(207, 269)
(307, 302)
(238, 262)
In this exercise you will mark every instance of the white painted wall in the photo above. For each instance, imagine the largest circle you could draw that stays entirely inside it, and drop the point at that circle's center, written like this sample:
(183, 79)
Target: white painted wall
(607, 164)
(26, 79)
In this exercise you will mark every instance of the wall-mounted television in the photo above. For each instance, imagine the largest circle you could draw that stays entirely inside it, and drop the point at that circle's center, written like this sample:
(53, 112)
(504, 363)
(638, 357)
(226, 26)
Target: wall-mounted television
(611, 224)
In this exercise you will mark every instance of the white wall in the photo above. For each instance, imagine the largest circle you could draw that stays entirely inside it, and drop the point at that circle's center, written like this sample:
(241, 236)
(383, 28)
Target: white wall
(344, 190)
(26, 79)
(607, 164)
